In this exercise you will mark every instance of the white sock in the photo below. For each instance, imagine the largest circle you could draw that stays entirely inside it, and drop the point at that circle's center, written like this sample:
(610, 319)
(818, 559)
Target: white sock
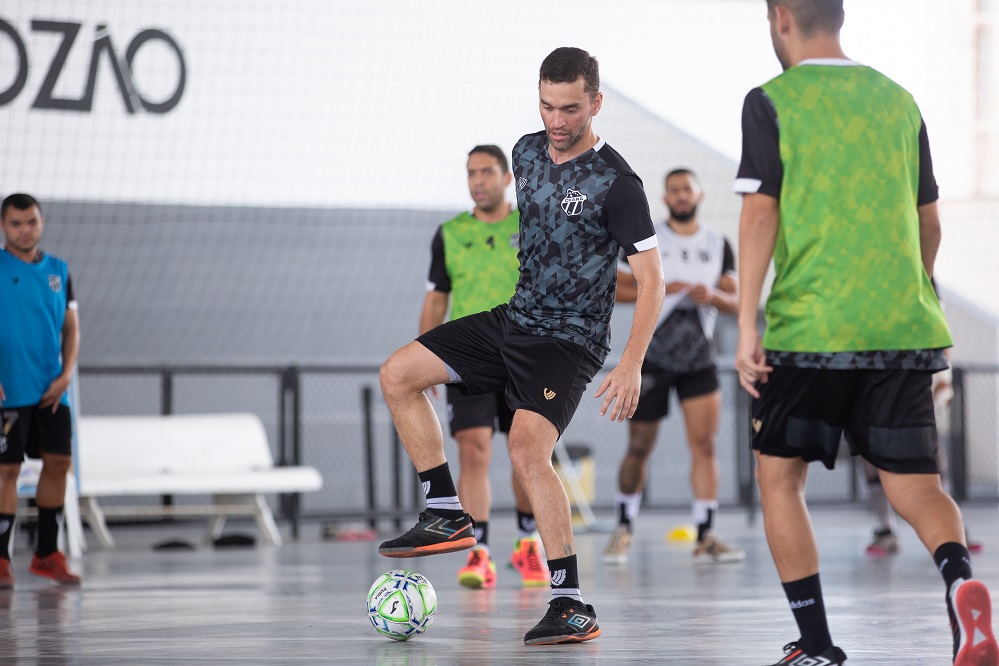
(631, 504)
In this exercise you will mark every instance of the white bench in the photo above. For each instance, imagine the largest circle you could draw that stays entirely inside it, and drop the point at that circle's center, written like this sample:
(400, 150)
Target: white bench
(226, 456)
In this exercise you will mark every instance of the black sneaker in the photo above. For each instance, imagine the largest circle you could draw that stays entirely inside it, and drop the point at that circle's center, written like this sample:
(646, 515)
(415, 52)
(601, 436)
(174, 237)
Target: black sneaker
(433, 534)
(567, 621)
(795, 656)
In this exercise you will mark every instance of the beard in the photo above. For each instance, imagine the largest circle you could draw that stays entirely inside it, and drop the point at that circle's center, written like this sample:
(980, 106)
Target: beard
(683, 216)
(564, 144)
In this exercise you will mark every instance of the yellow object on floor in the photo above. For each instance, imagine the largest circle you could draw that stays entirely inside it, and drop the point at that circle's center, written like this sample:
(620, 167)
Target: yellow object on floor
(682, 533)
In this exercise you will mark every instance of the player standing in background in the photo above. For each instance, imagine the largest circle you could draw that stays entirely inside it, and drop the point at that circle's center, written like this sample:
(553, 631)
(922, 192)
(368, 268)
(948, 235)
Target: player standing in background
(838, 188)
(580, 203)
(699, 269)
(474, 268)
(38, 348)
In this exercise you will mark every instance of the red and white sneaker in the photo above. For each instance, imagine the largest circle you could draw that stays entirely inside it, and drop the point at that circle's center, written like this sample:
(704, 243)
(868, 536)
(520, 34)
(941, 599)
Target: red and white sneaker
(526, 559)
(54, 566)
(974, 642)
(479, 571)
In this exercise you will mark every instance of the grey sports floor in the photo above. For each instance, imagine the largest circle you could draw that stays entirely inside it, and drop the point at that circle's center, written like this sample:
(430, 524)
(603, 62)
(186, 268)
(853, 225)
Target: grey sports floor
(303, 603)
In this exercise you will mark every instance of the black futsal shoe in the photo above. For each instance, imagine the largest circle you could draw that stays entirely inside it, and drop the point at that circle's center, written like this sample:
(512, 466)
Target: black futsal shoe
(795, 656)
(432, 535)
(567, 621)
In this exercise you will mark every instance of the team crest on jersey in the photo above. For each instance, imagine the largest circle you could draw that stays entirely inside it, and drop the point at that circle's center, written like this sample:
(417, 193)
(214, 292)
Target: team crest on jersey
(55, 283)
(573, 202)
(521, 183)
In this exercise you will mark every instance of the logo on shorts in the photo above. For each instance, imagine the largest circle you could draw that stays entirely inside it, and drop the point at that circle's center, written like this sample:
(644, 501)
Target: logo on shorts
(4, 526)
(558, 577)
(3, 445)
(757, 424)
(573, 202)
(549, 394)
(55, 283)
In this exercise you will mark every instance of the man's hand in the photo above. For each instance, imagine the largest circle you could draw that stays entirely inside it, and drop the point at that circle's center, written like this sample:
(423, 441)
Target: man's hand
(751, 362)
(701, 294)
(678, 287)
(53, 394)
(621, 388)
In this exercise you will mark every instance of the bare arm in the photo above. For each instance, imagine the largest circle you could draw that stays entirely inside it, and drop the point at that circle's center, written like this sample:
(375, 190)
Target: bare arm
(625, 381)
(434, 309)
(627, 287)
(758, 227)
(929, 235)
(70, 351)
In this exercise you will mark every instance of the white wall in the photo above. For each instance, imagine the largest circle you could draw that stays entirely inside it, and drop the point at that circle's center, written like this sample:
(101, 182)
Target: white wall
(359, 103)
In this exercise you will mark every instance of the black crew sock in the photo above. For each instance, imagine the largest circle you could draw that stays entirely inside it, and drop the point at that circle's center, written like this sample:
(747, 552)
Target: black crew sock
(622, 516)
(805, 599)
(442, 498)
(526, 524)
(6, 529)
(565, 578)
(48, 531)
(705, 527)
(953, 561)
(481, 532)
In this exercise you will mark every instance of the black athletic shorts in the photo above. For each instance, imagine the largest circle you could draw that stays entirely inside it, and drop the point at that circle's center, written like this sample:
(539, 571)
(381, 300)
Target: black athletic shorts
(653, 403)
(887, 416)
(35, 431)
(538, 373)
(477, 411)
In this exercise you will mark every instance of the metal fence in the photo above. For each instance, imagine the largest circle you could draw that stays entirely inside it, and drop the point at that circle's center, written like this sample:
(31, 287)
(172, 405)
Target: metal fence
(333, 418)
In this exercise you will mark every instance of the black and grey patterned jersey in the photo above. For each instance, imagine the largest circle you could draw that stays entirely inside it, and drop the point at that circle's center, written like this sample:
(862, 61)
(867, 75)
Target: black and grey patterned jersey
(574, 218)
(916, 360)
(679, 344)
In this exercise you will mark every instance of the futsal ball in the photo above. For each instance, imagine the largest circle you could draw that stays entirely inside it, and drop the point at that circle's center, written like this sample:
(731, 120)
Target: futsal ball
(401, 604)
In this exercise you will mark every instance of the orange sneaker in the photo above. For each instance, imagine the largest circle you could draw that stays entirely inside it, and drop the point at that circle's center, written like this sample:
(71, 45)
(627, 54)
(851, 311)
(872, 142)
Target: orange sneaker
(526, 559)
(54, 566)
(6, 576)
(479, 571)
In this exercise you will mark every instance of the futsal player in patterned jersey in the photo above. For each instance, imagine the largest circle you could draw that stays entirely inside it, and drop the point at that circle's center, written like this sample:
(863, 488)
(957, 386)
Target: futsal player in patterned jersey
(474, 268)
(699, 269)
(38, 349)
(838, 188)
(580, 204)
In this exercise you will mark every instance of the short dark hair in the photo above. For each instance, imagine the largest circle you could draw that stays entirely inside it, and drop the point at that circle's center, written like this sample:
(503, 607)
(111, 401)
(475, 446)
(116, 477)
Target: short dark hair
(682, 171)
(566, 64)
(495, 151)
(813, 15)
(20, 202)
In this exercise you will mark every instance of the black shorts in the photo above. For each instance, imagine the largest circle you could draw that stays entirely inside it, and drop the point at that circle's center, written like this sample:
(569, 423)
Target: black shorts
(653, 403)
(35, 431)
(477, 411)
(887, 416)
(538, 373)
